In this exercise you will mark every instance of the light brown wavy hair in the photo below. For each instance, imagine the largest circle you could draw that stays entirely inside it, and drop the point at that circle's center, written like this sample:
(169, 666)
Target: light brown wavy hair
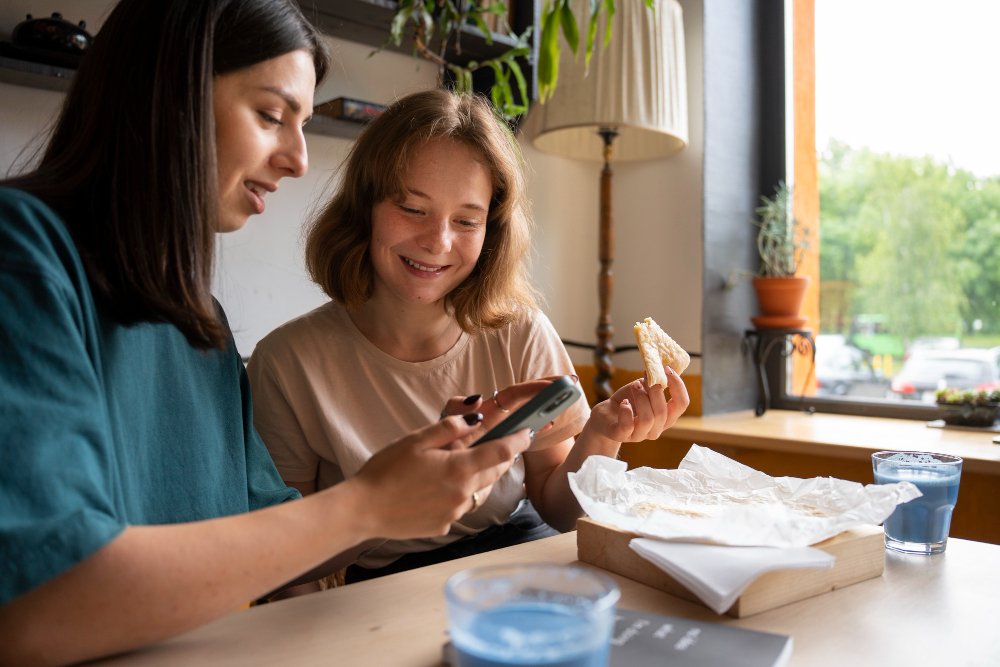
(498, 291)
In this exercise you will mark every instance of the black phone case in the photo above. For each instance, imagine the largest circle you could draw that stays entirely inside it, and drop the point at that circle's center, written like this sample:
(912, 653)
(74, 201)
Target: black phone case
(545, 406)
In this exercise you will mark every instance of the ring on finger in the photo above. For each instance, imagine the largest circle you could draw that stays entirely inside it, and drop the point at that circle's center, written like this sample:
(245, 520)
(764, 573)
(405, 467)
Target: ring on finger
(476, 501)
(496, 401)
(444, 413)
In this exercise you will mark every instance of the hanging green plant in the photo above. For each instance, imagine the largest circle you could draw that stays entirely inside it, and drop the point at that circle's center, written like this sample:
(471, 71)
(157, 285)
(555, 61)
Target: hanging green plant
(437, 24)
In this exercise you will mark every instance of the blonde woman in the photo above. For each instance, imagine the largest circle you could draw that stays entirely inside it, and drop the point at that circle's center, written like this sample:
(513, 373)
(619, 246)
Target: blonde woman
(422, 251)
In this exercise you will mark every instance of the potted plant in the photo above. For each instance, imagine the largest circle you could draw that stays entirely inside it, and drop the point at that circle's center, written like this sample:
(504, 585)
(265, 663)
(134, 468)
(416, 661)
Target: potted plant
(782, 243)
(968, 407)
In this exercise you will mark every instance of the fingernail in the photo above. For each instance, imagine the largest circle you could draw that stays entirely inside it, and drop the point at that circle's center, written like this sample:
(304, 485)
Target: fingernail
(576, 378)
(671, 370)
(472, 399)
(531, 435)
(473, 418)
(552, 423)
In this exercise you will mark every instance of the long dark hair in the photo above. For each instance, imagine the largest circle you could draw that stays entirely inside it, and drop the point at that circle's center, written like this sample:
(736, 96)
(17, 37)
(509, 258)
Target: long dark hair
(131, 164)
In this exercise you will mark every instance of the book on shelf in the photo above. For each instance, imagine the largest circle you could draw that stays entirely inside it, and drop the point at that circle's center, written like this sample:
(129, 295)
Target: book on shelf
(344, 108)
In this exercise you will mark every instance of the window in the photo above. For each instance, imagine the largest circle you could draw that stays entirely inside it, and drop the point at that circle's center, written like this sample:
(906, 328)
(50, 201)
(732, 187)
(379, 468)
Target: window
(908, 166)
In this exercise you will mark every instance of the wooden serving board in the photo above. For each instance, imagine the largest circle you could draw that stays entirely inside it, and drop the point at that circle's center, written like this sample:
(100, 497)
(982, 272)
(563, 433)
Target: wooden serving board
(860, 555)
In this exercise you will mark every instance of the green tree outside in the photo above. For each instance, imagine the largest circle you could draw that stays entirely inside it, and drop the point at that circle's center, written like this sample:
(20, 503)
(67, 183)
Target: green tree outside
(917, 241)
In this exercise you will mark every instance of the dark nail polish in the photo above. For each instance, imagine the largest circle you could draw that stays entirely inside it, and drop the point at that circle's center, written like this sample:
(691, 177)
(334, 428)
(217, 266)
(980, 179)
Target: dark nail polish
(473, 418)
(472, 399)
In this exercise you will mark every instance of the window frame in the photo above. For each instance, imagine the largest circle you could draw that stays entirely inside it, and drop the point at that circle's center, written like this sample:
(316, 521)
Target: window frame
(798, 68)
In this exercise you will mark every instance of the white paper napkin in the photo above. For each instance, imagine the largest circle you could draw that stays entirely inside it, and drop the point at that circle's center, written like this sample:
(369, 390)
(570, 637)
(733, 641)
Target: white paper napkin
(719, 574)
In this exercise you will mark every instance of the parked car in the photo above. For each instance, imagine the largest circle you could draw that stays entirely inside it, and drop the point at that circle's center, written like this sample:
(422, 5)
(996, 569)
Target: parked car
(839, 366)
(932, 343)
(926, 371)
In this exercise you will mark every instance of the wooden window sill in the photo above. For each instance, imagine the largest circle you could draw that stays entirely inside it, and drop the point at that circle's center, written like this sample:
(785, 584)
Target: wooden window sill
(839, 436)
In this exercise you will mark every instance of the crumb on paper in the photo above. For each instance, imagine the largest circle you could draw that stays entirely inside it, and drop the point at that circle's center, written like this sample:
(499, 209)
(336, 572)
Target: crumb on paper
(717, 501)
(646, 507)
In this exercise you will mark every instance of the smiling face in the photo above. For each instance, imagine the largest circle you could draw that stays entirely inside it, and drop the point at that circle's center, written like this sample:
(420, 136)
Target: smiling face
(259, 114)
(426, 244)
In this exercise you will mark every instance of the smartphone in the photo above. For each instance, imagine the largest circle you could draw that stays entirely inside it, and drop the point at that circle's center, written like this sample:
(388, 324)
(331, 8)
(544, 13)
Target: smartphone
(546, 405)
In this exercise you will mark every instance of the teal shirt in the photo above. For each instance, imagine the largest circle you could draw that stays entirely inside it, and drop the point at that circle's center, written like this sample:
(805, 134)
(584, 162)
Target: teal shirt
(102, 425)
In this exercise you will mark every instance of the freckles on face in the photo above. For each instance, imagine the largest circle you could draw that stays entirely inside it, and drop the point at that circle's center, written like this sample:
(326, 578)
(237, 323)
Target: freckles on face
(259, 114)
(427, 242)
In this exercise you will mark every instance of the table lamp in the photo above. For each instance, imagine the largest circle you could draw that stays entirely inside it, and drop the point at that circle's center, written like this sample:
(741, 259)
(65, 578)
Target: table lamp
(633, 100)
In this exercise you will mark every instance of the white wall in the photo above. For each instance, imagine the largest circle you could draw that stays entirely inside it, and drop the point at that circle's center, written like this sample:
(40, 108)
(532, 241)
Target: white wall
(26, 112)
(658, 207)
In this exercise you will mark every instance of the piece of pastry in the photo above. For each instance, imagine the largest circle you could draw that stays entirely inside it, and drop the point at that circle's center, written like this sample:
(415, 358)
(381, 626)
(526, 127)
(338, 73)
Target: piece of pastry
(657, 349)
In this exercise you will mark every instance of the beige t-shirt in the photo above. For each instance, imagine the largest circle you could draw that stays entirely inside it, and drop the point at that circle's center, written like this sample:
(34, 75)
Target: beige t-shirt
(325, 399)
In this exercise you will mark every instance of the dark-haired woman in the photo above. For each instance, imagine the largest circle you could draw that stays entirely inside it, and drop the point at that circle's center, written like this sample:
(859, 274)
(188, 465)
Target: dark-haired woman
(136, 498)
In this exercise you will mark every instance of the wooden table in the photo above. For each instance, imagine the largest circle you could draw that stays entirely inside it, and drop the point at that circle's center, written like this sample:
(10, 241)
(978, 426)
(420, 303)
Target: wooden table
(925, 610)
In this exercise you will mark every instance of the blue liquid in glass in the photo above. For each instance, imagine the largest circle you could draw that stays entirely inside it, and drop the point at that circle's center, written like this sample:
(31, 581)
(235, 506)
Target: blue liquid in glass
(532, 633)
(927, 519)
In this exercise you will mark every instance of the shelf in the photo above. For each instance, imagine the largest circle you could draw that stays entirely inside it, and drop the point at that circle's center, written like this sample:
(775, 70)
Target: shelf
(367, 22)
(48, 77)
(34, 75)
(360, 21)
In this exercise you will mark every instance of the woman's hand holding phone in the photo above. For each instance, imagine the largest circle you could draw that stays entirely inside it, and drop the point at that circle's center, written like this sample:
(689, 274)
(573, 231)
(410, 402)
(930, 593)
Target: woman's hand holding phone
(420, 484)
(511, 398)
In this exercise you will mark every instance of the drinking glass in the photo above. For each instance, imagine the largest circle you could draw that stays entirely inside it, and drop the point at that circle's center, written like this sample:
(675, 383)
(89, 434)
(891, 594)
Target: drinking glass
(921, 525)
(552, 615)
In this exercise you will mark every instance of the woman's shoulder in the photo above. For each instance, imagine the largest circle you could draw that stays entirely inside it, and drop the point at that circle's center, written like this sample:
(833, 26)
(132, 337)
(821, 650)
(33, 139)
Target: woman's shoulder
(301, 335)
(30, 232)
(531, 330)
(35, 242)
(530, 325)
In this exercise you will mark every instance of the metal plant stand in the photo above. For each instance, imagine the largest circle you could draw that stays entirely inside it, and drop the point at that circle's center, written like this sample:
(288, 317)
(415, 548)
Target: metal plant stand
(761, 342)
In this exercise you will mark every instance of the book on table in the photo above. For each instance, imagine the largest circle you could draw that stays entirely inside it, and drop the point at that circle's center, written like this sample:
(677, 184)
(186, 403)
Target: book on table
(643, 639)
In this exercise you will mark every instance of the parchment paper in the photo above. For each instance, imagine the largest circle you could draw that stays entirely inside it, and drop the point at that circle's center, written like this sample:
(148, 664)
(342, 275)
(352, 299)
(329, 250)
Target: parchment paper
(711, 499)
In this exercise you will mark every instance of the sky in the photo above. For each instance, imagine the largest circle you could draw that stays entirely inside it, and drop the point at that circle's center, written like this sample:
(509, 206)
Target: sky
(911, 77)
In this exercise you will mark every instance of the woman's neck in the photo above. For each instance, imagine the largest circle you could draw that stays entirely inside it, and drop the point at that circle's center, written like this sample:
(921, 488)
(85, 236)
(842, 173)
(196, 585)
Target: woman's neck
(405, 331)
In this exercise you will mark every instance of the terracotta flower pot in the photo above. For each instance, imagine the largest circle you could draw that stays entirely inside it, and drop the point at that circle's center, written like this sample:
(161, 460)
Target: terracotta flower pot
(781, 297)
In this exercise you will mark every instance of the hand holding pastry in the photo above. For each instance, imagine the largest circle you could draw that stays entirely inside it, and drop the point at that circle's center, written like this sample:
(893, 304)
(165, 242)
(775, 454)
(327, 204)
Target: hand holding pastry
(639, 412)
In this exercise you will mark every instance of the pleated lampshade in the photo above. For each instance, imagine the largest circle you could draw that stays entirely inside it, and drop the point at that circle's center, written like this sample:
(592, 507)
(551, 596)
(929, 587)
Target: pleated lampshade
(636, 85)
